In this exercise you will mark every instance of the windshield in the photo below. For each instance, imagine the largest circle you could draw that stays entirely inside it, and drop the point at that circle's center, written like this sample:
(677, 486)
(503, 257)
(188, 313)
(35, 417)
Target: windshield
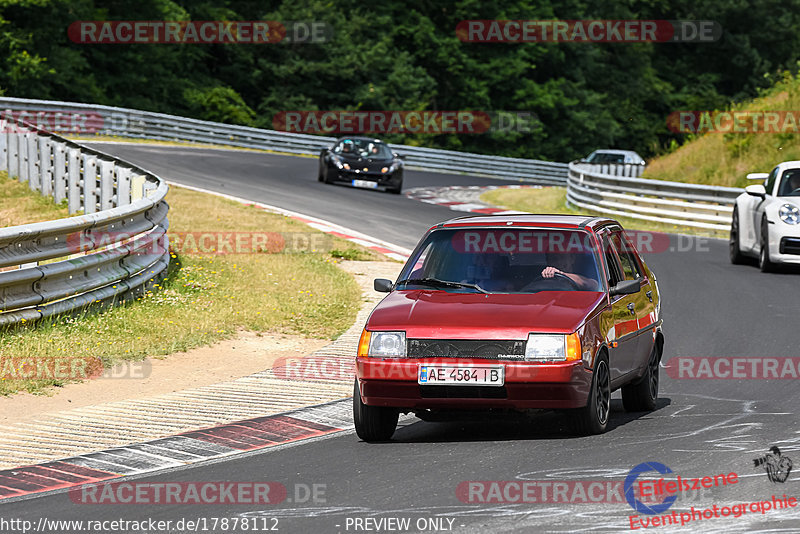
(364, 148)
(503, 260)
(790, 184)
(605, 157)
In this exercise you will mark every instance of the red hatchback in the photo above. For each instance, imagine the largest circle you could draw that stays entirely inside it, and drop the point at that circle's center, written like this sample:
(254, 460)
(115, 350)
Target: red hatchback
(512, 312)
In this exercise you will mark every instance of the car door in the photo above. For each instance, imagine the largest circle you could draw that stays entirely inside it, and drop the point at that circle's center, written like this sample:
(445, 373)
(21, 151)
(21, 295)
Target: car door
(622, 341)
(644, 300)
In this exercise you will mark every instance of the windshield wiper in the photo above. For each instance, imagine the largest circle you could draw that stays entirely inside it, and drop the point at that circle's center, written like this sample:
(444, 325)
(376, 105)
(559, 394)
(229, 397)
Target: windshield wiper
(441, 283)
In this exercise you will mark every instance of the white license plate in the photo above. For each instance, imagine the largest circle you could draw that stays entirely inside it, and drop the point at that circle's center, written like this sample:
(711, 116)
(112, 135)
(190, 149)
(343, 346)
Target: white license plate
(365, 183)
(453, 375)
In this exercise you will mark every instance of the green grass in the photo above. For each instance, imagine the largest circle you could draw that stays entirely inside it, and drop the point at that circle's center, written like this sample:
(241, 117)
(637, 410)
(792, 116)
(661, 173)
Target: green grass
(553, 200)
(178, 142)
(20, 205)
(204, 298)
(725, 159)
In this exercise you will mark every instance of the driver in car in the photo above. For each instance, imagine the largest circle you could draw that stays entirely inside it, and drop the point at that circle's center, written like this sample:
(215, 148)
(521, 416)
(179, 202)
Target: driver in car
(791, 185)
(565, 264)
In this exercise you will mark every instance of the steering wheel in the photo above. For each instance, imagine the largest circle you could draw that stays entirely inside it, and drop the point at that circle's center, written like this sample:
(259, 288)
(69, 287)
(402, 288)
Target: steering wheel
(557, 277)
(794, 191)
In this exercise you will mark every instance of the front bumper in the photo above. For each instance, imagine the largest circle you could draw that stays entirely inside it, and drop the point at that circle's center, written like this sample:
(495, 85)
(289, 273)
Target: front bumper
(784, 247)
(381, 180)
(393, 383)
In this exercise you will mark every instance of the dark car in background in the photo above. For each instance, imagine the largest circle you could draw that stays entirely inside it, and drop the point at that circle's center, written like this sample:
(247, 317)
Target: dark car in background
(362, 162)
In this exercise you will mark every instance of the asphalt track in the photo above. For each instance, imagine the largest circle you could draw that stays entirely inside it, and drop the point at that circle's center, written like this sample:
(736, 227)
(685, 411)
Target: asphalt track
(700, 428)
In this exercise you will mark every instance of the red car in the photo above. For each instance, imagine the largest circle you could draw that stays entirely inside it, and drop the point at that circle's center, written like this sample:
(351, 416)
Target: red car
(512, 312)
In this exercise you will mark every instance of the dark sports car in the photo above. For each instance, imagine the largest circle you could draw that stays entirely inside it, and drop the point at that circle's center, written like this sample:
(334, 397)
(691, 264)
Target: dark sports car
(362, 162)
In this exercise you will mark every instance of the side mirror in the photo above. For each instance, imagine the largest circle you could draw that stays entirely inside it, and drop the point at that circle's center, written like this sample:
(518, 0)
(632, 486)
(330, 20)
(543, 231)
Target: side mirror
(757, 176)
(626, 287)
(756, 190)
(399, 156)
(383, 285)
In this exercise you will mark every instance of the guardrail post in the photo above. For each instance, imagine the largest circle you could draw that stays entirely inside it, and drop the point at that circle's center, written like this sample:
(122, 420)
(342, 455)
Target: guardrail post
(13, 152)
(34, 180)
(74, 180)
(89, 184)
(106, 184)
(3, 145)
(22, 139)
(137, 187)
(45, 166)
(123, 185)
(59, 173)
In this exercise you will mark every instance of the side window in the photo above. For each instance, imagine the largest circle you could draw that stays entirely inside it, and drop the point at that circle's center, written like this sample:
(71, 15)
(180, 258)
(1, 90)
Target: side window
(613, 270)
(769, 183)
(419, 267)
(627, 258)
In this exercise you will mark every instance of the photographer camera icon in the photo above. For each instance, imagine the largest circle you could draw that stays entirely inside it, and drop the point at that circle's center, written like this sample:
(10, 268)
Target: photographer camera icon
(777, 466)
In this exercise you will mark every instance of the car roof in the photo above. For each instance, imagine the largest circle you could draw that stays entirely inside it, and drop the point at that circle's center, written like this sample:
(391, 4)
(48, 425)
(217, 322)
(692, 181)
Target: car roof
(789, 165)
(359, 138)
(588, 222)
(615, 151)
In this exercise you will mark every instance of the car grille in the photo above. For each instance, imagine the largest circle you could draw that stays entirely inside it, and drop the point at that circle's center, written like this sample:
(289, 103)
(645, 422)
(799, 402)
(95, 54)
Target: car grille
(790, 245)
(466, 348)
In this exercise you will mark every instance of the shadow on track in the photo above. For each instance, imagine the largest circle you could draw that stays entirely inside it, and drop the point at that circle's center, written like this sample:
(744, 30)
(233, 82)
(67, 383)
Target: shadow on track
(505, 426)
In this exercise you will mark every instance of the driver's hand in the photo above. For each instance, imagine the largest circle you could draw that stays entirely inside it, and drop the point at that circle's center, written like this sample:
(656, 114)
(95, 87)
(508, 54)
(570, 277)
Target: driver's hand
(550, 272)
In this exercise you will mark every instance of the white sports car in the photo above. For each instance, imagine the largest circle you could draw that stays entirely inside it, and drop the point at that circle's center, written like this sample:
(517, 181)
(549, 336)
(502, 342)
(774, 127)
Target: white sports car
(766, 218)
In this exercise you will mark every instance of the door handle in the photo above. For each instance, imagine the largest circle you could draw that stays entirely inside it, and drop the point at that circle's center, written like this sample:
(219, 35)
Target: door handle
(632, 308)
(649, 295)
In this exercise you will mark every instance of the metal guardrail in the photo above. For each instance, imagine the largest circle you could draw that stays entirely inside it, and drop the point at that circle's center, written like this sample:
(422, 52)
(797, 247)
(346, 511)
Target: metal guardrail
(113, 251)
(614, 169)
(66, 117)
(608, 190)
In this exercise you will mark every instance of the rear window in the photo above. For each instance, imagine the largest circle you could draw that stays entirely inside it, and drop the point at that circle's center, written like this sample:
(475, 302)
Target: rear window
(503, 260)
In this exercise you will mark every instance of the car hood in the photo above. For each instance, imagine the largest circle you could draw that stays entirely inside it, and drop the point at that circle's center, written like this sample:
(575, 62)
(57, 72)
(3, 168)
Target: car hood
(448, 315)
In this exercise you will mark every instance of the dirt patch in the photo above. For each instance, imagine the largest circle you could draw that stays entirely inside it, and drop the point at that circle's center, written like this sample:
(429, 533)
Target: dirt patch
(243, 355)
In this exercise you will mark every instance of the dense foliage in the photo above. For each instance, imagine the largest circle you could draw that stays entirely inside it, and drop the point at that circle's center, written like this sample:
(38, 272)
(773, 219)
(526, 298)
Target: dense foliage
(406, 56)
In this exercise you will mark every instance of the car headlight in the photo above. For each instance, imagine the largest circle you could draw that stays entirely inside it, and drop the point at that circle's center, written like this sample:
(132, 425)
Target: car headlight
(553, 347)
(394, 166)
(382, 344)
(789, 214)
(337, 161)
(346, 166)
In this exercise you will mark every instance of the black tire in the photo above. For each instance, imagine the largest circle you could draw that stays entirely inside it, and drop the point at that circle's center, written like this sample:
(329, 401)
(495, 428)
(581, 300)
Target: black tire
(642, 395)
(320, 177)
(764, 263)
(373, 423)
(593, 418)
(396, 190)
(736, 256)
